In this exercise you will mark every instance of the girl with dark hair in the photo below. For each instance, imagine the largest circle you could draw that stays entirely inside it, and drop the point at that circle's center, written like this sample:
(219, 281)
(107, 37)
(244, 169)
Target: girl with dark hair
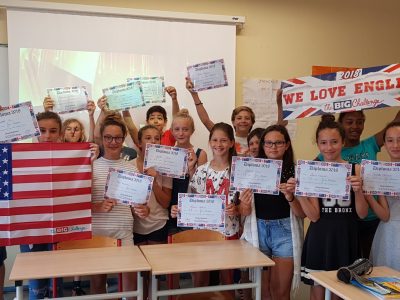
(213, 178)
(253, 141)
(331, 240)
(274, 222)
(353, 151)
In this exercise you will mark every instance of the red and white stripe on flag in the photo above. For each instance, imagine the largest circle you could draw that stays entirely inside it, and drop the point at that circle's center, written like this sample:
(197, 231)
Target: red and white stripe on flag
(45, 193)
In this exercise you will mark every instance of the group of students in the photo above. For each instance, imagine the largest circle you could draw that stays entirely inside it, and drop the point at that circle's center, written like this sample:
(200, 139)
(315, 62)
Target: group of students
(340, 231)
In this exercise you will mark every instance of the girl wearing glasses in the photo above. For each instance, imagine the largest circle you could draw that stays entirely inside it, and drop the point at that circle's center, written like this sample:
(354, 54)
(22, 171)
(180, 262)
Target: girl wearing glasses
(110, 218)
(274, 222)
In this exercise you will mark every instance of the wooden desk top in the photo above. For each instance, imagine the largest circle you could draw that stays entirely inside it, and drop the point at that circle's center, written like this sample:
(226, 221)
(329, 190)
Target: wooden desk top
(203, 256)
(64, 263)
(329, 280)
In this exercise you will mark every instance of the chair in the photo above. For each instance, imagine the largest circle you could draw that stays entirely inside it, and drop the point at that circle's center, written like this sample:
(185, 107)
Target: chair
(94, 242)
(199, 235)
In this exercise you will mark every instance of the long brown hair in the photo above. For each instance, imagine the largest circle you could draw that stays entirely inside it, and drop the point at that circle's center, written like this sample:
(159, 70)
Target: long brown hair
(228, 130)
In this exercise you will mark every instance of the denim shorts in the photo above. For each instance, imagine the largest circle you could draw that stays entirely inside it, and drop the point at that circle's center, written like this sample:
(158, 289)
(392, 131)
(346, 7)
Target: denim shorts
(275, 237)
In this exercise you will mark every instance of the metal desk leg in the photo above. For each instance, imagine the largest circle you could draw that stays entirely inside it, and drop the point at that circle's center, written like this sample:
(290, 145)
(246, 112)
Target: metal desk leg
(19, 290)
(139, 287)
(154, 287)
(327, 294)
(257, 273)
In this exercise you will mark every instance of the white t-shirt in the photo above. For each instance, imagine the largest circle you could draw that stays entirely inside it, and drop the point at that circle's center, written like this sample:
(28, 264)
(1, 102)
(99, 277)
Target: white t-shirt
(218, 183)
(241, 145)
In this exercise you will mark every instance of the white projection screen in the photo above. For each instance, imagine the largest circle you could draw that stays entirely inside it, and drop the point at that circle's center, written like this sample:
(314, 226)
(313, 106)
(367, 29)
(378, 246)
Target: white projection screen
(49, 49)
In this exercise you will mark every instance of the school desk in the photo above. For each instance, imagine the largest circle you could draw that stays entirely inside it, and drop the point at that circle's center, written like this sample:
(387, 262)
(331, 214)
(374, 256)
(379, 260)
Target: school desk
(331, 284)
(80, 262)
(204, 256)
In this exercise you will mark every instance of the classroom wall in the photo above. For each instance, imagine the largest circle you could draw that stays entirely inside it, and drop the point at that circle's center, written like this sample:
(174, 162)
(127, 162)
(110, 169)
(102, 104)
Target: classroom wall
(285, 38)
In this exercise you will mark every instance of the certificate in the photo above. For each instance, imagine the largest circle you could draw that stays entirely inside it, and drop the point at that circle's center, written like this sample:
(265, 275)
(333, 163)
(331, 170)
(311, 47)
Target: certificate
(263, 176)
(68, 99)
(128, 187)
(128, 95)
(322, 179)
(168, 161)
(208, 75)
(153, 88)
(201, 211)
(380, 177)
(18, 122)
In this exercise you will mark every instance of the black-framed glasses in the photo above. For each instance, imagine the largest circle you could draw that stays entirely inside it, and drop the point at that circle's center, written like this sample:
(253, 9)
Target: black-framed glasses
(270, 144)
(117, 139)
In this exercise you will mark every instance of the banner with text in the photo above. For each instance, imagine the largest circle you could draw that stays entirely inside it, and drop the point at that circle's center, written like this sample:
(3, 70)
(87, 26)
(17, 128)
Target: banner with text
(358, 89)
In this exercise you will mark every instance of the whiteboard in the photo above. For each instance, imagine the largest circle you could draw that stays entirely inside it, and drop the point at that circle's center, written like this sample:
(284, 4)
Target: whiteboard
(161, 48)
(4, 76)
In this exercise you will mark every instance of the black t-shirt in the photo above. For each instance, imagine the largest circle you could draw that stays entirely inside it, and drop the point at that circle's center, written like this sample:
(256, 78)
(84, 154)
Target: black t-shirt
(272, 207)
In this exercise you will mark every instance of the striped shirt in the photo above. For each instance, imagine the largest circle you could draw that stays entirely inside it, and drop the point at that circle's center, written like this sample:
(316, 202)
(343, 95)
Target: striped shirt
(120, 218)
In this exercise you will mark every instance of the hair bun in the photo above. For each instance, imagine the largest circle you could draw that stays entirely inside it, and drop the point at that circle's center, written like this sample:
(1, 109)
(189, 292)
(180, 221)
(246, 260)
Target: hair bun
(113, 115)
(327, 118)
(183, 112)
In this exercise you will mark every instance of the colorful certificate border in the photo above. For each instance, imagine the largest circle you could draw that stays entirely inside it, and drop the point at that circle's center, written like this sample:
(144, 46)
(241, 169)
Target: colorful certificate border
(157, 146)
(322, 164)
(140, 79)
(127, 85)
(219, 226)
(138, 175)
(220, 61)
(259, 161)
(70, 88)
(34, 121)
(379, 163)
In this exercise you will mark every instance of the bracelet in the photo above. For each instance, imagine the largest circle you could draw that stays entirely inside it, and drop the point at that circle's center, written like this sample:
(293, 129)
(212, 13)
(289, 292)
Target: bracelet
(200, 103)
(291, 200)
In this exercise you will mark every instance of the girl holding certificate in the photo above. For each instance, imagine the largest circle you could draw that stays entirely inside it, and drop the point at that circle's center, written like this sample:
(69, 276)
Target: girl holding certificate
(182, 128)
(274, 222)
(213, 178)
(331, 240)
(152, 230)
(110, 218)
(387, 208)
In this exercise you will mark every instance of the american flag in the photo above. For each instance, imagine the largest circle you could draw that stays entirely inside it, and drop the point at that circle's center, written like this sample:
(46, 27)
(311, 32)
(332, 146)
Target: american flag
(45, 193)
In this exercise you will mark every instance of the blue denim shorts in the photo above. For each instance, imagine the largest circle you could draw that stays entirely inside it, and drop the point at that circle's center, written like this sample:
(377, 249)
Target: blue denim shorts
(275, 237)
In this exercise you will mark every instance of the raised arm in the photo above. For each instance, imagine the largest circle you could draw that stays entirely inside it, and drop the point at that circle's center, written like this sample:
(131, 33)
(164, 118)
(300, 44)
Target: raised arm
(132, 129)
(101, 103)
(379, 135)
(174, 98)
(48, 103)
(201, 111)
(279, 105)
(91, 107)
